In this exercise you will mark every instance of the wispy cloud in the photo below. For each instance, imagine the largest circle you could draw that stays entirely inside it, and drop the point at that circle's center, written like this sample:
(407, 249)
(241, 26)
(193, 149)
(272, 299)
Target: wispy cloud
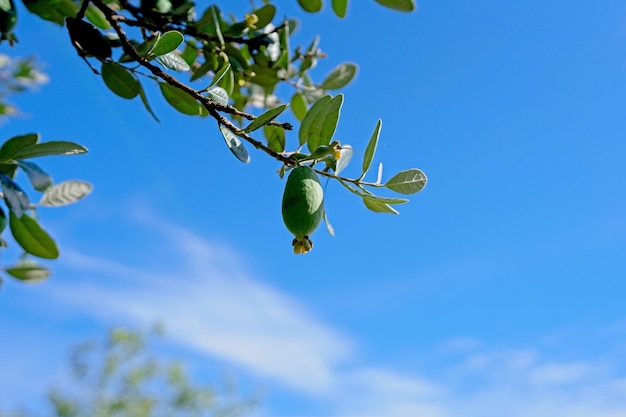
(210, 301)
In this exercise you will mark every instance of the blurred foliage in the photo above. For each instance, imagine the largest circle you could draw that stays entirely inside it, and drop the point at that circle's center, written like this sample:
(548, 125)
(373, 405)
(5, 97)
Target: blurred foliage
(123, 375)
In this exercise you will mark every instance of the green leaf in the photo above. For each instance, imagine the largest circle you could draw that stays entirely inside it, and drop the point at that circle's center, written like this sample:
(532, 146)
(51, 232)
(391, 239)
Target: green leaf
(3, 220)
(263, 76)
(219, 75)
(265, 118)
(320, 122)
(410, 181)
(31, 237)
(64, 193)
(50, 148)
(265, 14)
(340, 7)
(311, 6)
(173, 61)
(219, 95)
(146, 103)
(275, 138)
(96, 17)
(339, 77)
(13, 145)
(28, 271)
(120, 80)
(299, 105)
(168, 42)
(369, 196)
(37, 176)
(370, 150)
(180, 100)
(379, 207)
(235, 145)
(399, 5)
(16, 200)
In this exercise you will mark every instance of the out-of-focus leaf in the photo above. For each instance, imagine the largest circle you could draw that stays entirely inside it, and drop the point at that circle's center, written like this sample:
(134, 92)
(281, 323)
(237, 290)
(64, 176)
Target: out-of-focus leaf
(265, 118)
(50, 148)
(31, 237)
(15, 198)
(180, 100)
(370, 150)
(168, 42)
(120, 80)
(235, 145)
(311, 6)
(265, 15)
(339, 76)
(3, 220)
(64, 193)
(95, 16)
(399, 5)
(146, 103)
(37, 176)
(28, 270)
(173, 61)
(340, 7)
(410, 181)
(265, 77)
(13, 145)
(299, 105)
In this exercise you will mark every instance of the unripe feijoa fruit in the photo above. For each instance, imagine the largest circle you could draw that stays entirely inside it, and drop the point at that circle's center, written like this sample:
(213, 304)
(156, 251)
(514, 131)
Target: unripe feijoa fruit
(303, 206)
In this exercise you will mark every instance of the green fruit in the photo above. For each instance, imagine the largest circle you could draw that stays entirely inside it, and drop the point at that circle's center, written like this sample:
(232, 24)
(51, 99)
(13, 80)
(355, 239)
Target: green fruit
(303, 206)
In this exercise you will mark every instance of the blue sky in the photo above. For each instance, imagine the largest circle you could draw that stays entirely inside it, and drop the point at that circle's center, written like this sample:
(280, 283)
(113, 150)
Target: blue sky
(498, 290)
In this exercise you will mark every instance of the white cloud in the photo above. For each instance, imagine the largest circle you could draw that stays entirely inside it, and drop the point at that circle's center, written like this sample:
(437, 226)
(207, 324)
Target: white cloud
(209, 301)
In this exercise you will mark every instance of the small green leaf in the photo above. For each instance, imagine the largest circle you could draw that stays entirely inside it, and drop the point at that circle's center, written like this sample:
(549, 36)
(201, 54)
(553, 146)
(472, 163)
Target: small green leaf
(235, 145)
(340, 7)
(219, 95)
(263, 76)
(311, 6)
(265, 14)
(16, 200)
(410, 181)
(120, 80)
(95, 16)
(369, 196)
(299, 105)
(399, 5)
(219, 75)
(339, 77)
(173, 61)
(28, 270)
(50, 148)
(370, 150)
(318, 127)
(64, 193)
(31, 237)
(37, 176)
(265, 118)
(379, 207)
(167, 43)
(180, 100)
(13, 145)
(146, 103)
(275, 138)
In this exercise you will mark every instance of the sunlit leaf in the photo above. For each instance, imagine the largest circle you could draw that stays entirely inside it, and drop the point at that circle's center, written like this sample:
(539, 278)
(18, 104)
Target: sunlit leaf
(219, 95)
(370, 150)
(28, 270)
(265, 118)
(379, 207)
(410, 181)
(64, 193)
(173, 61)
(299, 105)
(219, 75)
(168, 42)
(319, 124)
(37, 176)
(31, 237)
(235, 145)
(13, 145)
(339, 77)
(120, 80)
(95, 16)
